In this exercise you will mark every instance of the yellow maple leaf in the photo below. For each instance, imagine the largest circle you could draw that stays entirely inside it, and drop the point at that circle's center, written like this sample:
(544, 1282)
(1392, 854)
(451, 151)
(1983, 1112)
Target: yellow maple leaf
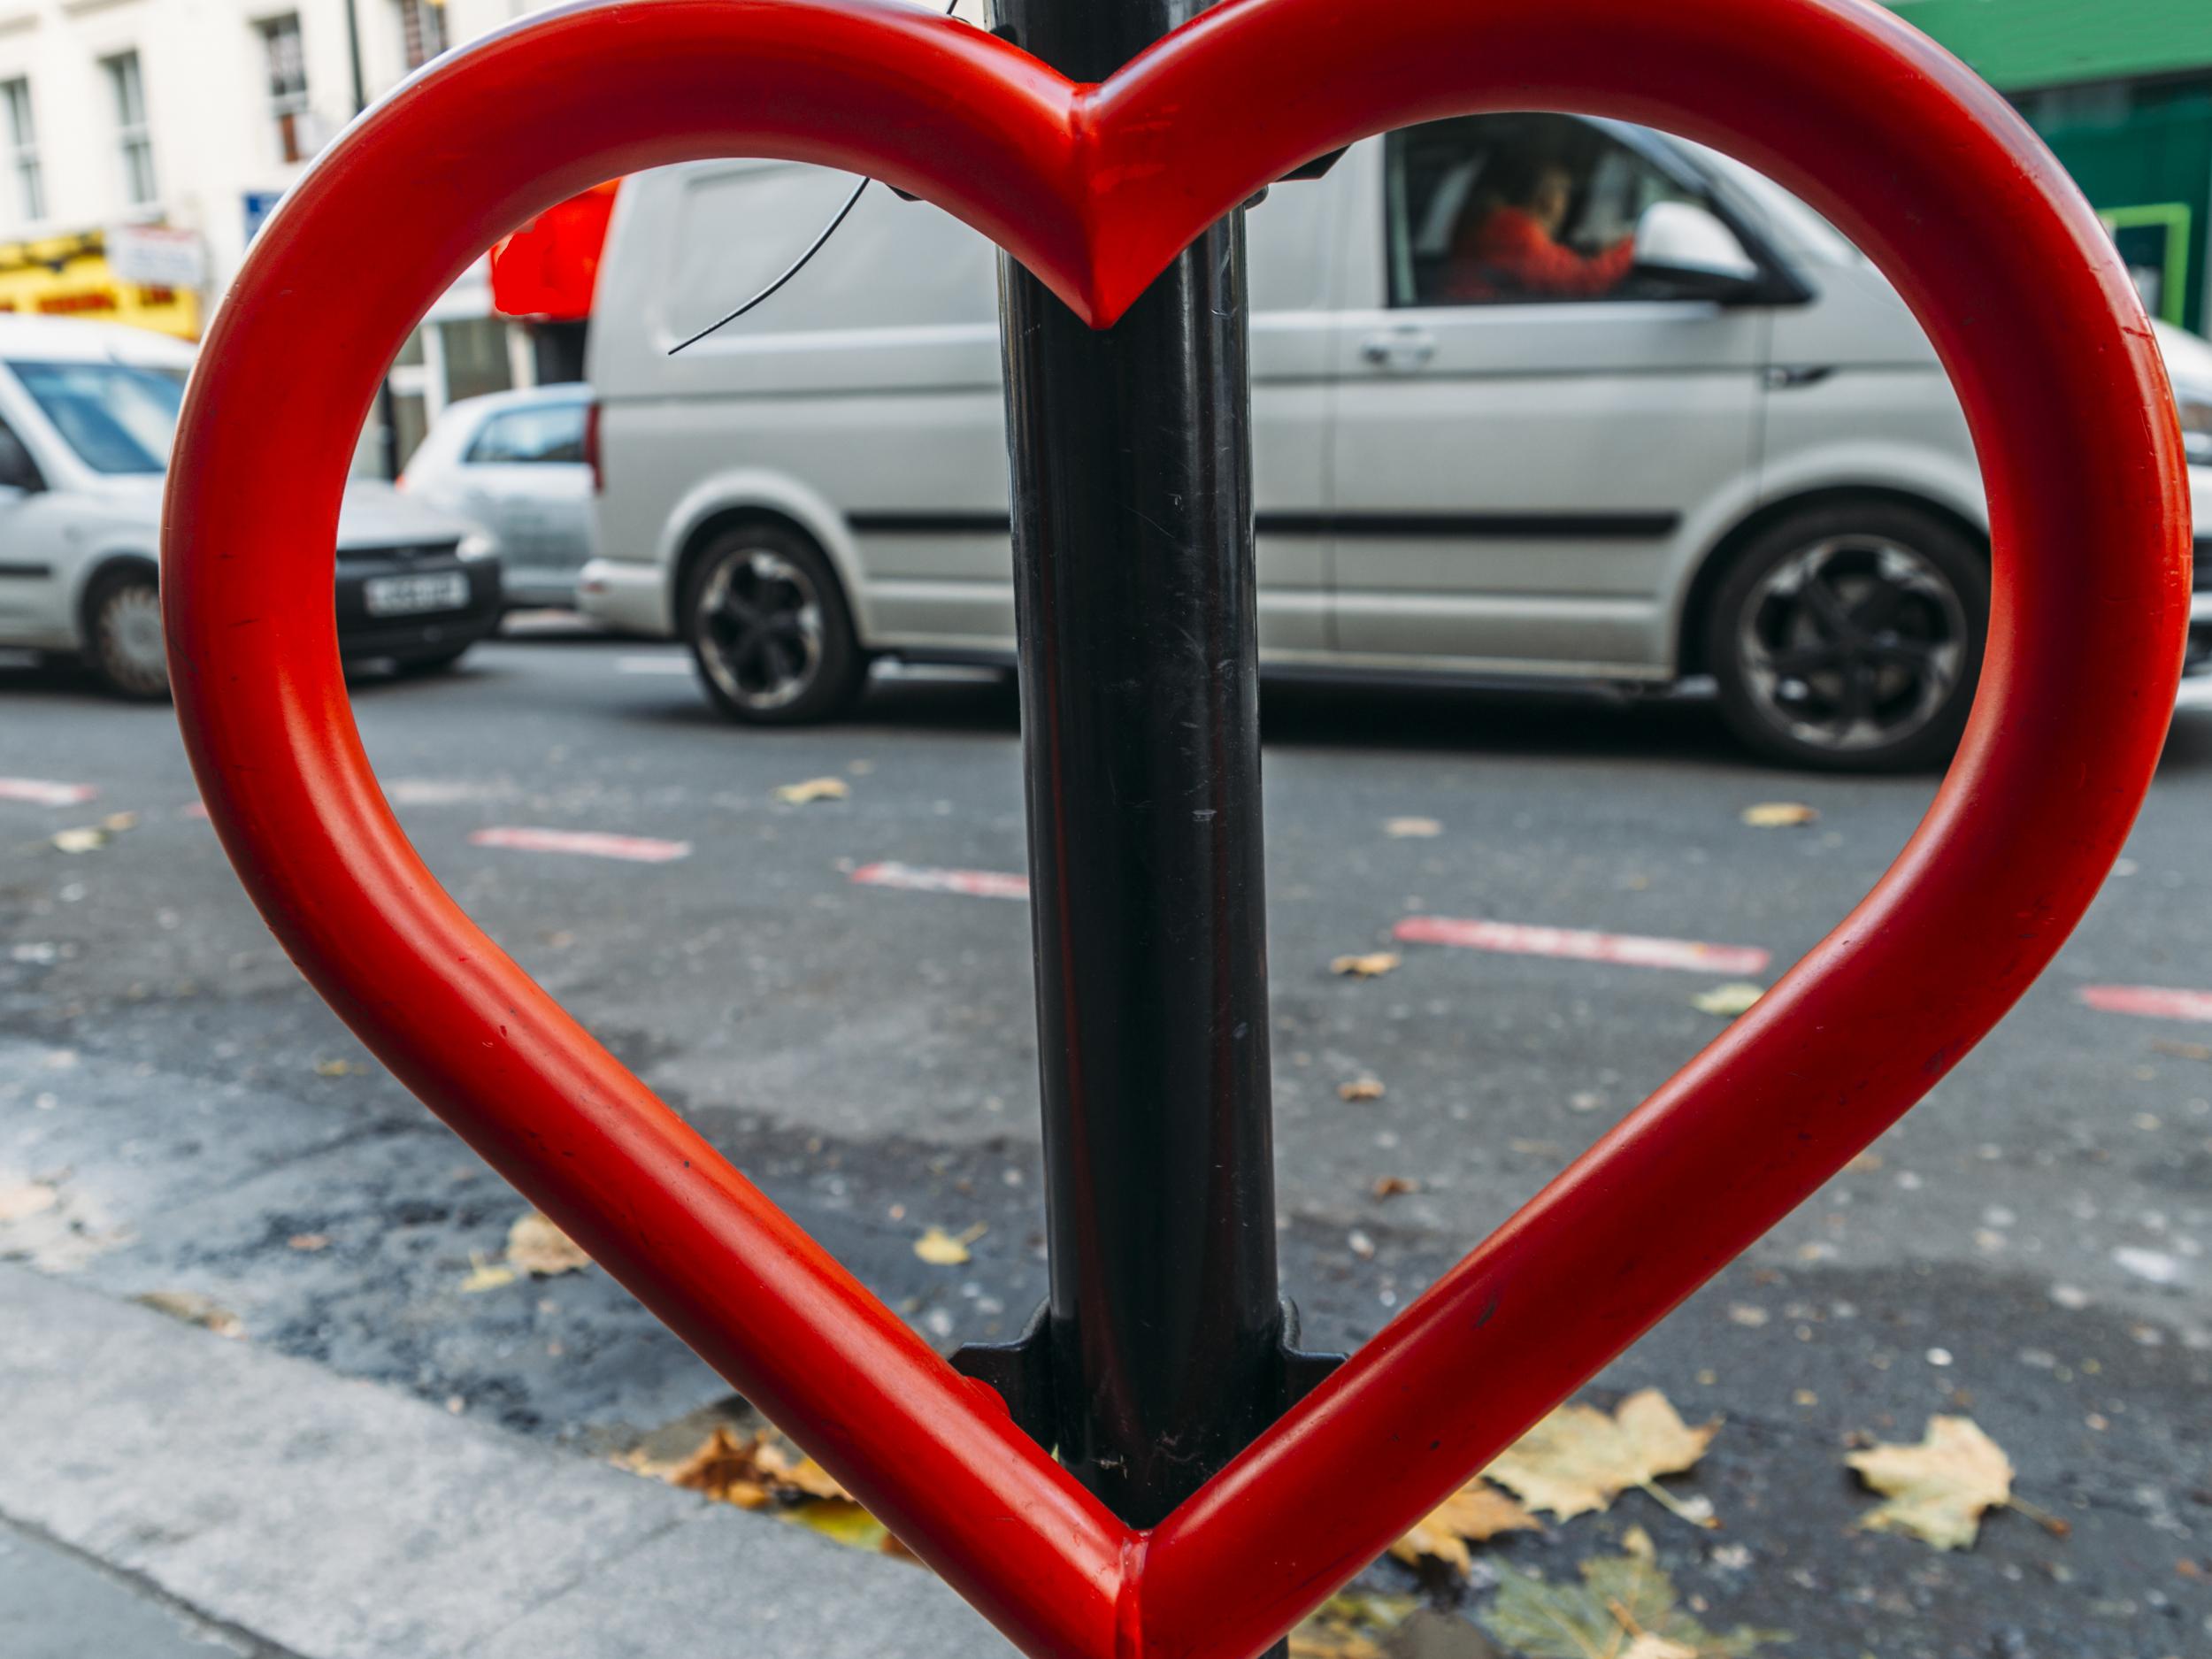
(536, 1246)
(1938, 1489)
(1578, 1459)
(1477, 1511)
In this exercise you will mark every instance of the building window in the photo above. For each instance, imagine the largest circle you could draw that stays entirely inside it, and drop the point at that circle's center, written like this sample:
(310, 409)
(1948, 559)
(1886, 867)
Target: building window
(30, 182)
(288, 84)
(130, 124)
(421, 30)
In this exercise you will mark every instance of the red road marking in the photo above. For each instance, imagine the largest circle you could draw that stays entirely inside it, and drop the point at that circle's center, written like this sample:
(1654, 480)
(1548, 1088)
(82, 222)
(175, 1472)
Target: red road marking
(637, 848)
(977, 884)
(2148, 1001)
(1628, 949)
(38, 792)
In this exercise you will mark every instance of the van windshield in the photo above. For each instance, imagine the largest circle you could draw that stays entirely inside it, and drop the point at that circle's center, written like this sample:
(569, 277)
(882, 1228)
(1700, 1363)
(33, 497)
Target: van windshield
(118, 417)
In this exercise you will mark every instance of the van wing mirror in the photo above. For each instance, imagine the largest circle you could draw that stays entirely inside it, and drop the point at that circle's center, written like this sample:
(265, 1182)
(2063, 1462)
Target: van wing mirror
(1689, 249)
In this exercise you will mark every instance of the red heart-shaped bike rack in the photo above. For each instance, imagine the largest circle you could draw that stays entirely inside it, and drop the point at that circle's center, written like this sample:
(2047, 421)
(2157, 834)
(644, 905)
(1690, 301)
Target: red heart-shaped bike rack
(1095, 188)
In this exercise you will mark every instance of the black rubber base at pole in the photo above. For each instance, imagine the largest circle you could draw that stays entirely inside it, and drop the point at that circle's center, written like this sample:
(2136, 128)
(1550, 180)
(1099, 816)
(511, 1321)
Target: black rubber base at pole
(1134, 596)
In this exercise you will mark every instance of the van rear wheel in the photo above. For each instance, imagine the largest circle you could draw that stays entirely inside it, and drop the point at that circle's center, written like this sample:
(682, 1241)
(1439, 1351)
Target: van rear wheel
(770, 630)
(1849, 638)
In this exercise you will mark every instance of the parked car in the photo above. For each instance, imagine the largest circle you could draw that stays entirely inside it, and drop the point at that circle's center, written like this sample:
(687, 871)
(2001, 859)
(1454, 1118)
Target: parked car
(88, 414)
(514, 463)
(1534, 397)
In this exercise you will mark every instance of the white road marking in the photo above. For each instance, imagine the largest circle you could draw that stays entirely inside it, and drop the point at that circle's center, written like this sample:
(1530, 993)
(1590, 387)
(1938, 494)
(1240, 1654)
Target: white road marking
(662, 664)
(1631, 950)
(591, 844)
(2195, 693)
(39, 792)
(975, 884)
(2148, 1001)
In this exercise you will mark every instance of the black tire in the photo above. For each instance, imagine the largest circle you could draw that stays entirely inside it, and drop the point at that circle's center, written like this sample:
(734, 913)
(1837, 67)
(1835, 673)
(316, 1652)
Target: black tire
(1849, 638)
(123, 635)
(769, 629)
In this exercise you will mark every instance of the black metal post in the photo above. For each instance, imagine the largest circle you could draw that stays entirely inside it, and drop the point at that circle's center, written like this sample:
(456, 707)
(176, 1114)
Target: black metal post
(1133, 591)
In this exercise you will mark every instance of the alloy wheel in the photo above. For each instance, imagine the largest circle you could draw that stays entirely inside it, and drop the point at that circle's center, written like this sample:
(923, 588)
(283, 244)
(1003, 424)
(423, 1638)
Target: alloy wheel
(760, 628)
(1852, 644)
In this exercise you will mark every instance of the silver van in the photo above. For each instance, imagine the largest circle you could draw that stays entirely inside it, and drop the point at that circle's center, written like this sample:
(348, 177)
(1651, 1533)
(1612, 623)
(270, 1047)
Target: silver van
(1534, 397)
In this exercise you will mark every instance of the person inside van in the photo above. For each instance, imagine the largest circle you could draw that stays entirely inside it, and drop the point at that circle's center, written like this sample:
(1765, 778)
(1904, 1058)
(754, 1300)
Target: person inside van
(1508, 246)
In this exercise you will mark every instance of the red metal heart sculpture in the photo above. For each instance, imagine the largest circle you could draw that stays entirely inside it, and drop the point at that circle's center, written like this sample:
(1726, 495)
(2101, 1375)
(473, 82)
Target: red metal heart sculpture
(1095, 188)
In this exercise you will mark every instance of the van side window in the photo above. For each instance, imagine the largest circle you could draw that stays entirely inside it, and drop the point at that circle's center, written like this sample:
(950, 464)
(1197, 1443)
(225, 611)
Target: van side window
(555, 434)
(1505, 209)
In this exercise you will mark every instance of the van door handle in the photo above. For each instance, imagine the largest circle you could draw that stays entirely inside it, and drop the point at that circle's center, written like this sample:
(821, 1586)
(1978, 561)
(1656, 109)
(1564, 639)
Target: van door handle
(1407, 347)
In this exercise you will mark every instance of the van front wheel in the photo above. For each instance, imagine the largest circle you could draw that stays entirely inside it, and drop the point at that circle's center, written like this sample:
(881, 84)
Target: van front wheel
(1849, 638)
(769, 629)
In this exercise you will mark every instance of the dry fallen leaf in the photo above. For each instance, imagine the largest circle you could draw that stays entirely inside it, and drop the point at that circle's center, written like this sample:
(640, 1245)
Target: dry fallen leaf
(1624, 1606)
(536, 1246)
(1779, 815)
(1728, 1001)
(1360, 1088)
(116, 822)
(813, 789)
(335, 1068)
(193, 1309)
(309, 1241)
(1347, 1625)
(1578, 1459)
(2181, 1051)
(759, 1471)
(485, 1275)
(85, 840)
(1393, 1186)
(1937, 1490)
(1366, 967)
(32, 1198)
(1476, 1512)
(940, 1249)
(1402, 828)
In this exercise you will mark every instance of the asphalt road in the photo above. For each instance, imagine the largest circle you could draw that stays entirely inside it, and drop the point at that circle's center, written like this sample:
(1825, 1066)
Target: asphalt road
(2026, 1249)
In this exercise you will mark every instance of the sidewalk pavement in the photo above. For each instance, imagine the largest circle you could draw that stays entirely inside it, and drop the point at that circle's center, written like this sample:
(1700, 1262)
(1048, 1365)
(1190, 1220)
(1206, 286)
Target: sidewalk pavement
(166, 1492)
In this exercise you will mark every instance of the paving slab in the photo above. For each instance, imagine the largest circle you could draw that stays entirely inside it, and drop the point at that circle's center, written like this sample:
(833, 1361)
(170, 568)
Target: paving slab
(334, 1519)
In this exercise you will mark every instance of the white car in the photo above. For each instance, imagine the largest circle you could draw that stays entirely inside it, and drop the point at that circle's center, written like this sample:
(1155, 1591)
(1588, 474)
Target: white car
(513, 462)
(88, 414)
(1533, 396)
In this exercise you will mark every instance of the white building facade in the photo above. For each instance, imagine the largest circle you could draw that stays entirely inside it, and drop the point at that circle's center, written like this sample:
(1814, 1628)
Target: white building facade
(143, 142)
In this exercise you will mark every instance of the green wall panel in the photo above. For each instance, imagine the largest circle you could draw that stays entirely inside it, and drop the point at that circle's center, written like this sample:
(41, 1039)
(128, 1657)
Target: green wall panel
(2020, 43)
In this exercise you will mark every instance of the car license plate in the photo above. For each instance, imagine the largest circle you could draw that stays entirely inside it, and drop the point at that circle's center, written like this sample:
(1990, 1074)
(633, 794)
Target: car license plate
(411, 595)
